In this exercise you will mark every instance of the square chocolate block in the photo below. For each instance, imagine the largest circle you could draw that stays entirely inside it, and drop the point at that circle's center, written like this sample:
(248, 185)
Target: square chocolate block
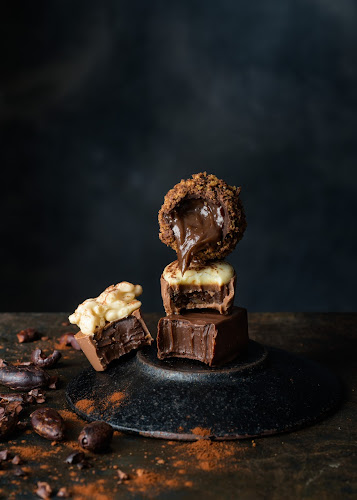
(116, 339)
(181, 297)
(209, 337)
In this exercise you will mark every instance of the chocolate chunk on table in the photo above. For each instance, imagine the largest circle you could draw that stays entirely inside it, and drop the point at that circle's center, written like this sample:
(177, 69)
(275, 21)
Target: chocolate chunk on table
(115, 340)
(209, 337)
(178, 297)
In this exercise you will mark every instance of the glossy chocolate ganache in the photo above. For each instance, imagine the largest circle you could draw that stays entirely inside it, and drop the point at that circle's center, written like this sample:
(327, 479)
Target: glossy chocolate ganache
(196, 224)
(202, 219)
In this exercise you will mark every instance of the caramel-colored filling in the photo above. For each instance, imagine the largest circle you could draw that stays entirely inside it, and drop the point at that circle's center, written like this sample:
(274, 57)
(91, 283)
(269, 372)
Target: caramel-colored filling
(196, 224)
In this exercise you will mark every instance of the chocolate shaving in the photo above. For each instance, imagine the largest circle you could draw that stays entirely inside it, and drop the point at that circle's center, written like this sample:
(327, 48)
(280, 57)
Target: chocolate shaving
(122, 476)
(4, 455)
(16, 460)
(53, 382)
(20, 397)
(39, 360)
(63, 492)
(75, 457)
(44, 490)
(28, 335)
(9, 417)
(38, 396)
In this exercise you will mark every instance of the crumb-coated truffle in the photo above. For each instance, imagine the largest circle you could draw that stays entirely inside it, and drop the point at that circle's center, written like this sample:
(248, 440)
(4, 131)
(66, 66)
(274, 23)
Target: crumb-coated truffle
(211, 189)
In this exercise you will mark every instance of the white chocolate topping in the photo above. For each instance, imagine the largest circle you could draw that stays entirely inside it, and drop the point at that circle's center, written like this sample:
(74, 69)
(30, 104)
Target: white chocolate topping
(116, 302)
(218, 273)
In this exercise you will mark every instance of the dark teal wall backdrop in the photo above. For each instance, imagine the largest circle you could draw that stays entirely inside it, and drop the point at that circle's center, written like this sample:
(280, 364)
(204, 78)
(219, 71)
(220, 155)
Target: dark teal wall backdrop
(105, 105)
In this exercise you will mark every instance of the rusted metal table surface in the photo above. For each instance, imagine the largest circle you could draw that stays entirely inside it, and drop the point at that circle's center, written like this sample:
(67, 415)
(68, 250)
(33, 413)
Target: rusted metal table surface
(315, 462)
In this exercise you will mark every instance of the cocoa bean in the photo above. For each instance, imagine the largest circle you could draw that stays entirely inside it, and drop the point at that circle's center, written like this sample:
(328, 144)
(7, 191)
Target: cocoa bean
(96, 436)
(48, 423)
(23, 377)
(39, 360)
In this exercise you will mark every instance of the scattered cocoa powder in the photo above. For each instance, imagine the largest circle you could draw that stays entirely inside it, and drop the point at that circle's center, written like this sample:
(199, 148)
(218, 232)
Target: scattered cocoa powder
(117, 397)
(33, 452)
(95, 490)
(86, 405)
(199, 431)
(212, 455)
(70, 415)
(151, 483)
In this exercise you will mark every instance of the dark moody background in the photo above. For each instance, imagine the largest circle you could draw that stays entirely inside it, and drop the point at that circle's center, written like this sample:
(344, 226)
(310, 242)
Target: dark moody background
(105, 105)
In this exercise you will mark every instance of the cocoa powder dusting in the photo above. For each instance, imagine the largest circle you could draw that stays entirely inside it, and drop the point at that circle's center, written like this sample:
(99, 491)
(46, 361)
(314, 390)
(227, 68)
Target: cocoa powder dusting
(85, 405)
(199, 431)
(93, 490)
(151, 483)
(211, 455)
(32, 452)
(117, 397)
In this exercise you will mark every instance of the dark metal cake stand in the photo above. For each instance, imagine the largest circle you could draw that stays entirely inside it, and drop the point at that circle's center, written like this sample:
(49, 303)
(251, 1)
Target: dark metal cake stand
(267, 392)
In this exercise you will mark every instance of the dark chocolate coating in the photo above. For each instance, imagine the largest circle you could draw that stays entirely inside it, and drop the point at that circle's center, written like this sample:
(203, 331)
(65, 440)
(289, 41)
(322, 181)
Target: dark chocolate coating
(115, 340)
(209, 337)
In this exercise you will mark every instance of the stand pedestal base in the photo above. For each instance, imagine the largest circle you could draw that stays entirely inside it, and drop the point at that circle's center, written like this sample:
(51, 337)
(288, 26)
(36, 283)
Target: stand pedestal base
(267, 392)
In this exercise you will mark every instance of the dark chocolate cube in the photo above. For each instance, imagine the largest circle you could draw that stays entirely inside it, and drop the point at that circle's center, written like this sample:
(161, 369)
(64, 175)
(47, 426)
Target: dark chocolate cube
(209, 337)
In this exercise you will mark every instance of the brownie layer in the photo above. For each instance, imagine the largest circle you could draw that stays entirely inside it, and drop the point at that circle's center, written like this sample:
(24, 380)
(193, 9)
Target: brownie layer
(178, 297)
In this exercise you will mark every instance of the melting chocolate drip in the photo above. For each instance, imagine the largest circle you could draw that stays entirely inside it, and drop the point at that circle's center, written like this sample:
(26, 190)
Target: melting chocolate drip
(196, 224)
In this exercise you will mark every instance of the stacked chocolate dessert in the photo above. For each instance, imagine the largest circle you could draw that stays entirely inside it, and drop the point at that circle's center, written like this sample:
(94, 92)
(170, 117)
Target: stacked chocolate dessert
(202, 219)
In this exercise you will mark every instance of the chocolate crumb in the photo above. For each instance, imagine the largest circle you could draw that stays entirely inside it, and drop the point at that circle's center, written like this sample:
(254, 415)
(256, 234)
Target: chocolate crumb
(4, 455)
(122, 476)
(63, 492)
(39, 397)
(28, 335)
(75, 457)
(53, 382)
(84, 464)
(16, 460)
(44, 490)
(19, 471)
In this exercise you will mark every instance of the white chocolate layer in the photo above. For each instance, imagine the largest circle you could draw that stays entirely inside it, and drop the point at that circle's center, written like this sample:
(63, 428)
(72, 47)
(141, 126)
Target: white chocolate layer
(218, 273)
(116, 302)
